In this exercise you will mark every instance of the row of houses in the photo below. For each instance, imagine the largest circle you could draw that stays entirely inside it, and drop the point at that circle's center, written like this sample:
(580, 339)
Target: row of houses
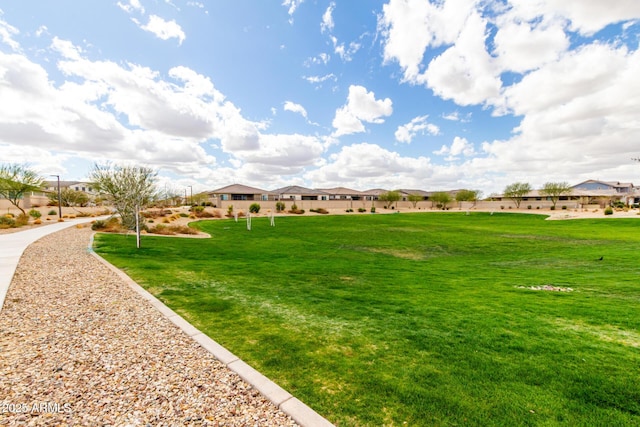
(586, 193)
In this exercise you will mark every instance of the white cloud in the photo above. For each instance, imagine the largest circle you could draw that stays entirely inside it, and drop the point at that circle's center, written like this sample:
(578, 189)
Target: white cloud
(465, 72)
(295, 108)
(164, 30)
(322, 59)
(409, 27)
(131, 6)
(292, 5)
(585, 16)
(327, 19)
(7, 32)
(320, 79)
(459, 146)
(367, 165)
(345, 53)
(361, 107)
(521, 46)
(407, 132)
(67, 49)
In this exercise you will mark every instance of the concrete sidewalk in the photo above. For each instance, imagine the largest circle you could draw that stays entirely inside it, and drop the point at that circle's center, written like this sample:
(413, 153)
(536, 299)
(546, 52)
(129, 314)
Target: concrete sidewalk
(12, 246)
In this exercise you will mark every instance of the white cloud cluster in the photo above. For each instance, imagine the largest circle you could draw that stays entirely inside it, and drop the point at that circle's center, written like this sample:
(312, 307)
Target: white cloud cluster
(361, 107)
(163, 29)
(291, 6)
(459, 146)
(407, 132)
(7, 33)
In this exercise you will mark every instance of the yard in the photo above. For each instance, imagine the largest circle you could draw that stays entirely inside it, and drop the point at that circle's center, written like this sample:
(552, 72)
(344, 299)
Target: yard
(417, 319)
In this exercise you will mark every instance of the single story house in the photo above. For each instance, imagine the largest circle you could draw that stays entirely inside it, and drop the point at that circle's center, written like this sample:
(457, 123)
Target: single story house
(295, 192)
(240, 192)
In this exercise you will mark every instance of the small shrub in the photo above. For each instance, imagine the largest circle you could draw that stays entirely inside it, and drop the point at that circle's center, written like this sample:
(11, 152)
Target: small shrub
(529, 206)
(21, 220)
(184, 215)
(254, 208)
(608, 210)
(564, 208)
(349, 210)
(34, 213)
(197, 209)
(373, 209)
(319, 210)
(38, 221)
(553, 208)
(362, 210)
(52, 212)
(7, 222)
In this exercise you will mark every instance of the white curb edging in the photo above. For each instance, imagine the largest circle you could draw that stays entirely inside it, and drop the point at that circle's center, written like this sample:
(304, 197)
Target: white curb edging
(287, 403)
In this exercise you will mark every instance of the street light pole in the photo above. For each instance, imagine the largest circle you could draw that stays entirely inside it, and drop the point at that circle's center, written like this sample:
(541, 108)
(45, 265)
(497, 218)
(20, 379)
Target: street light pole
(59, 198)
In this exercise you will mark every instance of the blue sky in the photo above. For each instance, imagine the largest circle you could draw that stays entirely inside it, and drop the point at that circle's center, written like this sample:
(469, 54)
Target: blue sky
(431, 95)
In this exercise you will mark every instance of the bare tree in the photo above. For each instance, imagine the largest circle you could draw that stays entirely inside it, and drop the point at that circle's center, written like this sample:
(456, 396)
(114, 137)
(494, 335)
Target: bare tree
(129, 188)
(16, 181)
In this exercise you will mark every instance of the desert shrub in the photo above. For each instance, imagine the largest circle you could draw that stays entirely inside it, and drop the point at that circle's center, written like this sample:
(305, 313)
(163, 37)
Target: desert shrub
(7, 222)
(110, 225)
(294, 210)
(254, 208)
(319, 210)
(362, 210)
(197, 209)
(280, 206)
(21, 220)
(34, 213)
(608, 210)
(184, 215)
(170, 230)
(564, 208)
(529, 206)
(349, 210)
(99, 225)
(38, 221)
(83, 214)
(373, 209)
(52, 212)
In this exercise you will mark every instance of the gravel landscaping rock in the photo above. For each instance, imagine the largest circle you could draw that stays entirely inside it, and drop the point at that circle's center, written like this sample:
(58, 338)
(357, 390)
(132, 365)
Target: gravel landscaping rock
(80, 347)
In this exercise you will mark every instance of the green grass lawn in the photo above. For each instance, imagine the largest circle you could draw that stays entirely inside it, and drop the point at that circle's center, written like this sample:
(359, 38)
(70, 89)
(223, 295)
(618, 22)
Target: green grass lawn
(417, 319)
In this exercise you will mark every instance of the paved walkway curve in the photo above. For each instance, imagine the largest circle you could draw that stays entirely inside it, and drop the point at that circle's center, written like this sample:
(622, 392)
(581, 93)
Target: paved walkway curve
(78, 347)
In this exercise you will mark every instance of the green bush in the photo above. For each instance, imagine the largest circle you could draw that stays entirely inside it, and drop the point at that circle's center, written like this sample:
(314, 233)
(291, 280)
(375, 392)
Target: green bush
(280, 206)
(608, 210)
(99, 225)
(254, 208)
(184, 215)
(197, 209)
(34, 213)
(373, 209)
(52, 212)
